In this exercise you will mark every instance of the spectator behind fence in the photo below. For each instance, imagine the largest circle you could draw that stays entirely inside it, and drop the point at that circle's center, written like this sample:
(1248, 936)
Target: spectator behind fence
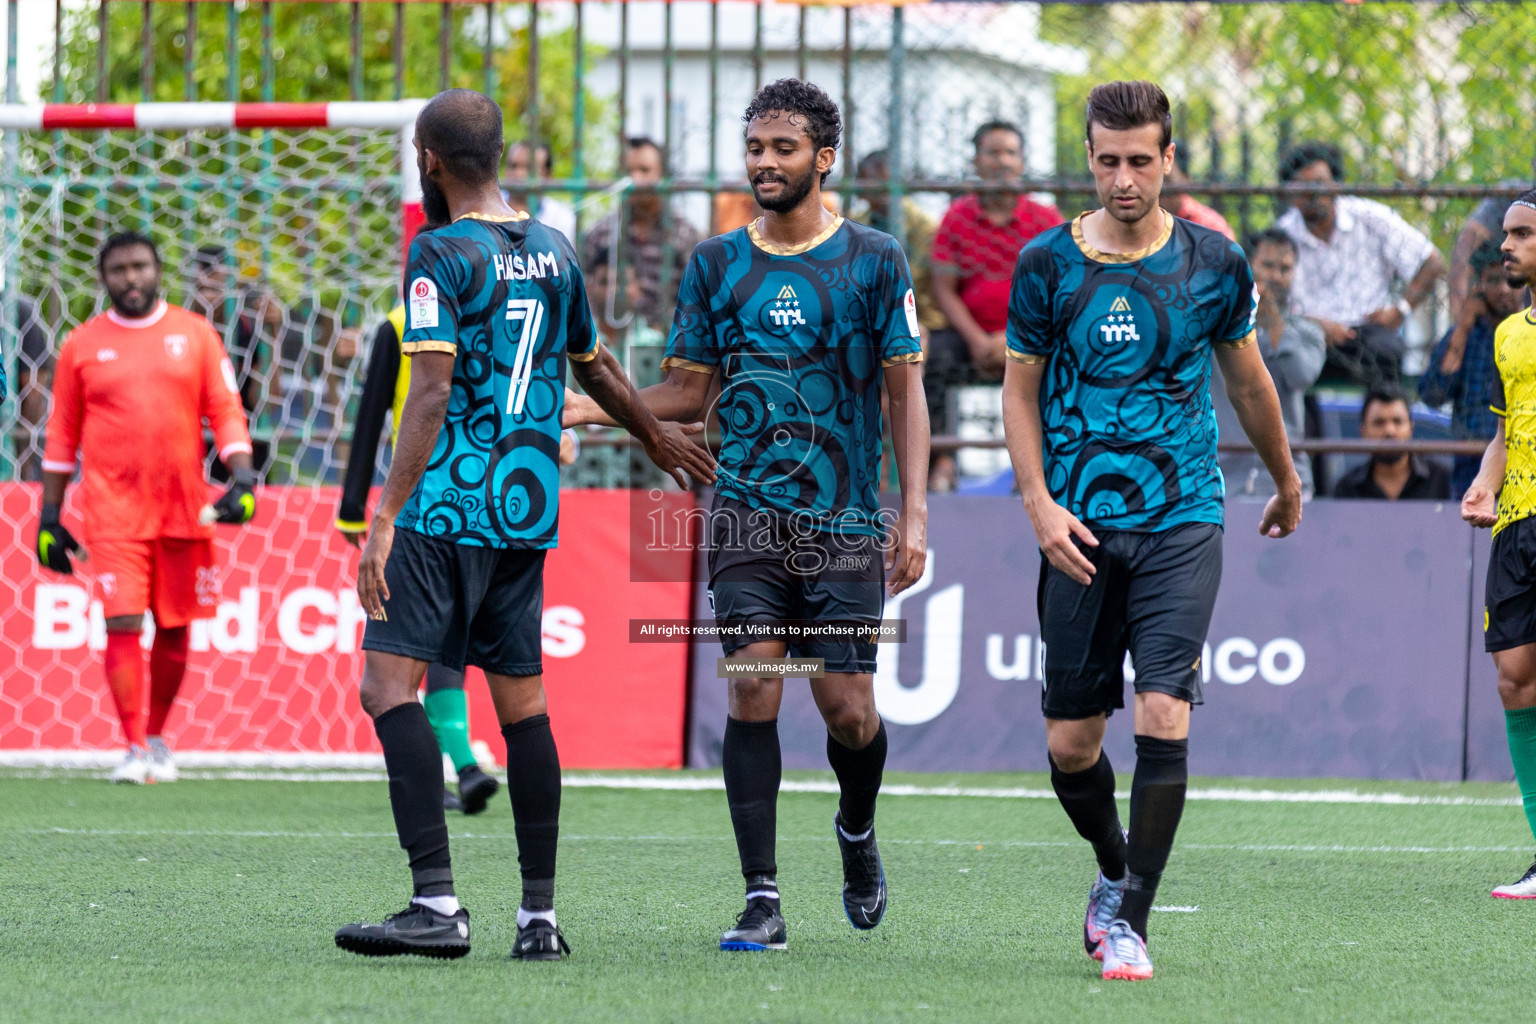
(215, 299)
(1461, 368)
(639, 347)
(974, 252)
(655, 240)
(33, 381)
(612, 289)
(1385, 416)
(547, 209)
(1293, 351)
(1350, 253)
(1485, 225)
(1181, 204)
(920, 228)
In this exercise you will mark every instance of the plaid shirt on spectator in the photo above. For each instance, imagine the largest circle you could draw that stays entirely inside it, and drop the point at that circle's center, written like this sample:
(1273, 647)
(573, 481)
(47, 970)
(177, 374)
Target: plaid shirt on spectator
(982, 254)
(646, 251)
(1470, 392)
(1350, 276)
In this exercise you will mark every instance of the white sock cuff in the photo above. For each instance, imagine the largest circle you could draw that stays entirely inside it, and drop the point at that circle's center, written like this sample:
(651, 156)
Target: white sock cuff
(855, 838)
(445, 905)
(524, 915)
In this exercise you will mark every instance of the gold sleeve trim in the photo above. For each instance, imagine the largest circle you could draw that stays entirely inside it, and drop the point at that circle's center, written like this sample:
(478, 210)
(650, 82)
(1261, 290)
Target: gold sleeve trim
(1027, 358)
(583, 357)
(1497, 411)
(685, 364)
(1243, 342)
(410, 348)
(908, 357)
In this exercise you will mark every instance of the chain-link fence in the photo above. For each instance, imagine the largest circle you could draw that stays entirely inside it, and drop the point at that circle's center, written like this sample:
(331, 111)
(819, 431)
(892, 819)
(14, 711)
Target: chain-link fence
(1428, 103)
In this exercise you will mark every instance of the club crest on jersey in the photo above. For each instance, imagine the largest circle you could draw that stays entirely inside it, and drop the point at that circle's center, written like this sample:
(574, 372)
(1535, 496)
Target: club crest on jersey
(785, 311)
(176, 346)
(1121, 326)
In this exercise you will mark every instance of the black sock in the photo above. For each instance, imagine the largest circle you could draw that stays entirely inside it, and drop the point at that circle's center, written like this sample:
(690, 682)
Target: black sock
(858, 777)
(533, 779)
(1088, 797)
(1157, 803)
(753, 767)
(415, 767)
(763, 887)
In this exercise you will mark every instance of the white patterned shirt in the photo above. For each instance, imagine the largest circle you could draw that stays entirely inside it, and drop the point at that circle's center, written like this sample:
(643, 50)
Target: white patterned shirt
(1350, 276)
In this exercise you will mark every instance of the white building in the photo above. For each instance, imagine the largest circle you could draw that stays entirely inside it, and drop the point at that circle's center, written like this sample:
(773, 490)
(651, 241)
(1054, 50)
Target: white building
(964, 64)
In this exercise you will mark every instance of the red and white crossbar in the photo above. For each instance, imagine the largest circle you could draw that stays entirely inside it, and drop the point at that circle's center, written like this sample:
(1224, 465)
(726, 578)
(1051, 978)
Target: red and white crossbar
(172, 116)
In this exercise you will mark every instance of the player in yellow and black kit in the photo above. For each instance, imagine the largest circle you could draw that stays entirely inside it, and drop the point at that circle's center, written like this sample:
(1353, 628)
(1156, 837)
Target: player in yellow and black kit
(1508, 474)
(384, 391)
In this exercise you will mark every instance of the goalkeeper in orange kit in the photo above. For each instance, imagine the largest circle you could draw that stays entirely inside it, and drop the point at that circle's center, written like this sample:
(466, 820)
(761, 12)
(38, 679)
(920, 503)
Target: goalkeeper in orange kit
(132, 388)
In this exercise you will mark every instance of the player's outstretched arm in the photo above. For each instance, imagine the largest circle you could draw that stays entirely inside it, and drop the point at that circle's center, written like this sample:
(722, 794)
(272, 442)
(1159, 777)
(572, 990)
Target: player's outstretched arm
(1056, 528)
(1253, 397)
(378, 392)
(421, 420)
(1479, 506)
(905, 559)
(678, 399)
(666, 444)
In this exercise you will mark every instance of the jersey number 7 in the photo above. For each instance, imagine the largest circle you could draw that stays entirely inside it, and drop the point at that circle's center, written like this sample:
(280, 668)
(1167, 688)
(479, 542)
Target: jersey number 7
(531, 313)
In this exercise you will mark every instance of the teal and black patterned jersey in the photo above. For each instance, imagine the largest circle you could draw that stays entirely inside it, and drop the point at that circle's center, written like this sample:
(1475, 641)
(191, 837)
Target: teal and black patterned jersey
(506, 298)
(1127, 340)
(800, 335)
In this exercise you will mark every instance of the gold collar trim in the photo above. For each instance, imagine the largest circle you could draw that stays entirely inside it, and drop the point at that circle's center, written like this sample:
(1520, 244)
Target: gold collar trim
(492, 218)
(1120, 257)
(775, 249)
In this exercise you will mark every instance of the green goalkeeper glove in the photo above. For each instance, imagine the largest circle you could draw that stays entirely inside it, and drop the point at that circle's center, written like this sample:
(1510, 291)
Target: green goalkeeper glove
(55, 543)
(238, 504)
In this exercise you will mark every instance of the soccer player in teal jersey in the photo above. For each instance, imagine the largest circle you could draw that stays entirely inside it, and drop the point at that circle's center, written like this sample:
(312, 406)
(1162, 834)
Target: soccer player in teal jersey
(1112, 325)
(452, 573)
(804, 316)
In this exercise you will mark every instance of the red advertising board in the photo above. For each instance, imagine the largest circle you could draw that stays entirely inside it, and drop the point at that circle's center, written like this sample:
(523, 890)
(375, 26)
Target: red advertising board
(276, 672)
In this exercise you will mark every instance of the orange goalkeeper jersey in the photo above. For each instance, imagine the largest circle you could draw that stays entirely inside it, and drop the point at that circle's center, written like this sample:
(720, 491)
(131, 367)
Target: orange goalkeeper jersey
(130, 396)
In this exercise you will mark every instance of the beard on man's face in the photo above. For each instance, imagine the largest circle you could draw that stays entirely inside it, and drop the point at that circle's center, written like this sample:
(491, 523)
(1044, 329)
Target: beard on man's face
(433, 203)
(793, 193)
(135, 301)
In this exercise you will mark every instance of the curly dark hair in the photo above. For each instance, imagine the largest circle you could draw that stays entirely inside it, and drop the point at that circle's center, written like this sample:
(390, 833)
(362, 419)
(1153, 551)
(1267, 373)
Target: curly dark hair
(1298, 158)
(818, 114)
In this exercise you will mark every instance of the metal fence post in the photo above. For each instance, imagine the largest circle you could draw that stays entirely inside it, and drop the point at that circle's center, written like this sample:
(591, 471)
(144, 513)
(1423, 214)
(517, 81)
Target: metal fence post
(894, 111)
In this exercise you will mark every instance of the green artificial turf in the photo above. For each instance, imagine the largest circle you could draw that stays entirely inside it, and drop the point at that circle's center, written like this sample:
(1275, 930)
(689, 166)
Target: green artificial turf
(215, 900)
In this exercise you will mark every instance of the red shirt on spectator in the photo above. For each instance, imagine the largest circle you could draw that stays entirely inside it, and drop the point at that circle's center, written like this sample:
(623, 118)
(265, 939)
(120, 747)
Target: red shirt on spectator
(1197, 212)
(982, 254)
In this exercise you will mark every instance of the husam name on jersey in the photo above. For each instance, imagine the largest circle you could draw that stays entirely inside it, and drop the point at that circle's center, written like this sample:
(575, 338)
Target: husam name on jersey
(516, 267)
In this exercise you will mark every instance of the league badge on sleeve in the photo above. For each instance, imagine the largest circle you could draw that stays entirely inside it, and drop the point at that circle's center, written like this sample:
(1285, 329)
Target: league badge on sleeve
(423, 303)
(910, 304)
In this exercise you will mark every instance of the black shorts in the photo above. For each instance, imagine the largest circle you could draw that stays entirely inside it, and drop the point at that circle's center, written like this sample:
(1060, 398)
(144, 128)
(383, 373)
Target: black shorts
(456, 605)
(1509, 595)
(1152, 595)
(762, 570)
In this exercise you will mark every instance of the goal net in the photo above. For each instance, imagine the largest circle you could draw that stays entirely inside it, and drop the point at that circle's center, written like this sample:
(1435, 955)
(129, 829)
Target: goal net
(284, 225)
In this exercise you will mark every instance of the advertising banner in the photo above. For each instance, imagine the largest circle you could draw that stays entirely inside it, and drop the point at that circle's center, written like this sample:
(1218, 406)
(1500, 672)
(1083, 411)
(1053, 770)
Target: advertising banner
(277, 670)
(1341, 651)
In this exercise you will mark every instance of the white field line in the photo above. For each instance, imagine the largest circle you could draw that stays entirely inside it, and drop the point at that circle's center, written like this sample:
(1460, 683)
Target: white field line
(368, 768)
(721, 838)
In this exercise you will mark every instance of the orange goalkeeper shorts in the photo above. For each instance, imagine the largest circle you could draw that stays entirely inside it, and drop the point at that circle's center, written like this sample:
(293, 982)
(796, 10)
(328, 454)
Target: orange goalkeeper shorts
(172, 577)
